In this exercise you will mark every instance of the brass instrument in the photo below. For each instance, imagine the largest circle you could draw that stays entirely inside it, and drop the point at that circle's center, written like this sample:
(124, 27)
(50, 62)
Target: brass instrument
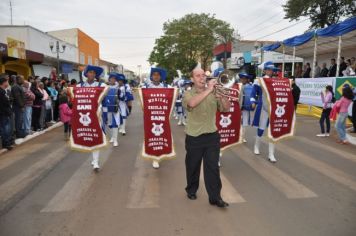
(224, 86)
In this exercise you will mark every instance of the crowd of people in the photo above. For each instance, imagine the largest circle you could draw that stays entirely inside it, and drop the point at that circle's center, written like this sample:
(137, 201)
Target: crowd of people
(29, 105)
(347, 68)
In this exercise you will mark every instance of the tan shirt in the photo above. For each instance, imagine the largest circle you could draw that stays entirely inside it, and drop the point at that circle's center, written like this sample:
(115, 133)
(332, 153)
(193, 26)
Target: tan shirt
(201, 119)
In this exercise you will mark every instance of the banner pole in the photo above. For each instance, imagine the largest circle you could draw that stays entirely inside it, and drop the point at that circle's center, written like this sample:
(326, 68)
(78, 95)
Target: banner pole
(338, 58)
(314, 58)
(283, 64)
(293, 61)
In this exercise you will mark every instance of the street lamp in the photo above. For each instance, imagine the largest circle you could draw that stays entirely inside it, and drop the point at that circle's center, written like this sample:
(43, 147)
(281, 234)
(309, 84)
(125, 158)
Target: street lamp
(56, 50)
(259, 45)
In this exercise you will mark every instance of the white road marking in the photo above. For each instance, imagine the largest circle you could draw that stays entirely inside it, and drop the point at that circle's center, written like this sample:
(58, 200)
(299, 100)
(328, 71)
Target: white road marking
(228, 191)
(323, 168)
(10, 159)
(144, 189)
(290, 187)
(340, 153)
(72, 192)
(16, 184)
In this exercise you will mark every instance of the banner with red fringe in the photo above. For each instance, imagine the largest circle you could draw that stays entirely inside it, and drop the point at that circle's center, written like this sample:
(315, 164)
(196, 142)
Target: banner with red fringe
(87, 134)
(229, 123)
(281, 107)
(157, 105)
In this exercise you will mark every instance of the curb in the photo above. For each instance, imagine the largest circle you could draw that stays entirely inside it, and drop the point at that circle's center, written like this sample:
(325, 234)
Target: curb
(20, 141)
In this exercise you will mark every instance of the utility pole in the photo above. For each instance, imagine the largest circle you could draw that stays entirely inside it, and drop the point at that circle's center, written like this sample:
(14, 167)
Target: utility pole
(11, 12)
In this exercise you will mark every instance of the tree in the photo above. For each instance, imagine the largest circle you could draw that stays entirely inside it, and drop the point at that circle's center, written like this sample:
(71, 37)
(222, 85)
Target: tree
(321, 12)
(187, 40)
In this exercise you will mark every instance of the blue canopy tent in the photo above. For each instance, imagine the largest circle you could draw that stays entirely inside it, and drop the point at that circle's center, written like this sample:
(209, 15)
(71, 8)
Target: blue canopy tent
(325, 41)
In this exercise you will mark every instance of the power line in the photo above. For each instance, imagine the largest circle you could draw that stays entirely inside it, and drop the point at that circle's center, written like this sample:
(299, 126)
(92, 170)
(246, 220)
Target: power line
(258, 29)
(290, 26)
(264, 21)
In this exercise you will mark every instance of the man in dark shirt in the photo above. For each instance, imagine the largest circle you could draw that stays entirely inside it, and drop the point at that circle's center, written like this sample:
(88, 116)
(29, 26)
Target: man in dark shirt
(5, 113)
(18, 105)
(296, 93)
(343, 66)
(307, 71)
(332, 69)
(324, 71)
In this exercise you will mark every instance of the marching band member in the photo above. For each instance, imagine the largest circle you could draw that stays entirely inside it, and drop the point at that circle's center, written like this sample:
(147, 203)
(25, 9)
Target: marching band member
(179, 105)
(261, 118)
(129, 97)
(185, 86)
(123, 95)
(111, 103)
(92, 73)
(245, 102)
(157, 78)
(202, 139)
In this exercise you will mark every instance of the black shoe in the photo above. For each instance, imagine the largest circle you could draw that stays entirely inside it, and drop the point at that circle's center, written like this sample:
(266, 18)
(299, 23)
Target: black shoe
(192, 196)
(219, 203)
(9, 148)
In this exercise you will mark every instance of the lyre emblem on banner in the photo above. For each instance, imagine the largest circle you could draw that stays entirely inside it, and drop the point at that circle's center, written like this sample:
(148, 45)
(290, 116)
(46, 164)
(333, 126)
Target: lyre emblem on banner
(225, 121)
(280, 111)
(157, 130)
(84, 119)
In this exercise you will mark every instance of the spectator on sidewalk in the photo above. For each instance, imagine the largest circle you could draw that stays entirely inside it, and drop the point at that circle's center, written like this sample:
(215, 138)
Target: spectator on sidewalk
(37, 106)
(295, 93)
(5, 113)
(317, 70)
(18, 106)
(307, 70)
(332, 68)
(327, 100)
(29, 98)
(53, 93)
(46, 104)
(343, 66)
(66, 115)
(324, 71)
(341, 107)
(53, 74)
(298, 71)
(354, 110)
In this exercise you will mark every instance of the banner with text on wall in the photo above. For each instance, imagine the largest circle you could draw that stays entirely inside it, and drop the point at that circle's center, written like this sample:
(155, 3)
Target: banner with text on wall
(311, 89)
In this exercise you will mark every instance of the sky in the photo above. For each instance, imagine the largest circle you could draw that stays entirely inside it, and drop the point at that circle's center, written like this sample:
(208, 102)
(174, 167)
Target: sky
(126, 30)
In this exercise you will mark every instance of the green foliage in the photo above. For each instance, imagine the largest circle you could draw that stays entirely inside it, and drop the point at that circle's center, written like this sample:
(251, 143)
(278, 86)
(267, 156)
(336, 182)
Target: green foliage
(322, 13)
(188, 40)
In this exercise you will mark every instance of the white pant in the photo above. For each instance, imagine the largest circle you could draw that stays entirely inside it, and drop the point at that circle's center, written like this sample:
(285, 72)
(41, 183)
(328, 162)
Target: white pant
(246, 118)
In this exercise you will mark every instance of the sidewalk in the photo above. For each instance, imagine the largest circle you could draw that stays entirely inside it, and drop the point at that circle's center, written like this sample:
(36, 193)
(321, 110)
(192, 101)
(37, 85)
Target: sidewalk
(20, 141)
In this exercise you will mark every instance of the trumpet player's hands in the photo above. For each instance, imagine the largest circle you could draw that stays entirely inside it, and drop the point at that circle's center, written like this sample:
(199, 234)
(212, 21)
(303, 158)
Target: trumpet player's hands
(253, 105)
(211, 84)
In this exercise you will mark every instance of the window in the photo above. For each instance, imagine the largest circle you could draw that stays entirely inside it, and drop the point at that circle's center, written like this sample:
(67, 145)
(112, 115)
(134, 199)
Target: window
(96, 62)
(90, 60)
(82, 58)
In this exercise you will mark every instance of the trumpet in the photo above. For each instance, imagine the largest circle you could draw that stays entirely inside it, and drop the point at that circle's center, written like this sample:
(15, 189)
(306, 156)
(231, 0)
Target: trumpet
(224, 87)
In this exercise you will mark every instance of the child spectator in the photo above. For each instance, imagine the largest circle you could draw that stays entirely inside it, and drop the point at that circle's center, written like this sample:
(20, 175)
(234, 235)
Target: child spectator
(65, 113)
(325, 115)
(342, 106)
